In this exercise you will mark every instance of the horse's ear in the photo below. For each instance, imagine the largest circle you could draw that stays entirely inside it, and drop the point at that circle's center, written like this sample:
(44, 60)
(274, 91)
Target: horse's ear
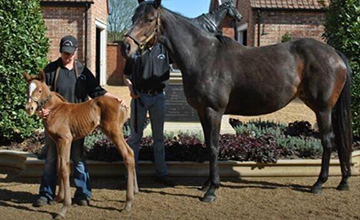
(157, 3)
(26, 77)
(41, 76)
(139, 1)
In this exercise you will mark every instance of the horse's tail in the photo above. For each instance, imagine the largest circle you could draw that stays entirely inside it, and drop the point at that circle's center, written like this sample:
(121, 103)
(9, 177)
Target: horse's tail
(342, 122)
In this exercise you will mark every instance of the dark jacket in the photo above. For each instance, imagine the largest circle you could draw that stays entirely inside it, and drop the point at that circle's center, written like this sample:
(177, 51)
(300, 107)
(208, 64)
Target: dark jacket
(151, 70)
(74, 90)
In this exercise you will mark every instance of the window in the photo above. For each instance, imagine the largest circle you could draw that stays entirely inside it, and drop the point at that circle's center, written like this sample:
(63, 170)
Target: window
(242, 34)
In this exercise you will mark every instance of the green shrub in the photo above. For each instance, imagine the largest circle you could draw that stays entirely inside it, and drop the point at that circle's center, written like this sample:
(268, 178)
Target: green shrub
(295, 140)
(342, 31)
(23, 47)
(93, 137)
(286, 37)
(306, 147)
(260, 128)
(98, 135)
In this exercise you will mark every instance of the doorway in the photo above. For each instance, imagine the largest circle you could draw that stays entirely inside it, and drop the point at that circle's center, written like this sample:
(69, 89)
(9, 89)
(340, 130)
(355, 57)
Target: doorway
(100, 52)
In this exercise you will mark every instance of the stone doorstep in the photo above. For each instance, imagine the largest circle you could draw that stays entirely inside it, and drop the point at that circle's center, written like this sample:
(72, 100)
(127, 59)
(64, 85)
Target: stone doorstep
(192, 127)
(32, 167)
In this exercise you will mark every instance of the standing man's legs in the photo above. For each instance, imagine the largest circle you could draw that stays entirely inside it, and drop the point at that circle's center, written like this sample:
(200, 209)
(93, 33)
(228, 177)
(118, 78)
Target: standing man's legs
(137, 117)
(157, 118)
(49, 177)
(81, 174)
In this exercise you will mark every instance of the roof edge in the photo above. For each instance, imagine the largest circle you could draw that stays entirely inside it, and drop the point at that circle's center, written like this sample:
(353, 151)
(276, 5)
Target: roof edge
(64, 3)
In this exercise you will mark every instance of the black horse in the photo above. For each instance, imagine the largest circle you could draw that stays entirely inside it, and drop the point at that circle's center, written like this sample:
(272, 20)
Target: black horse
(212, 20)
(221, 76)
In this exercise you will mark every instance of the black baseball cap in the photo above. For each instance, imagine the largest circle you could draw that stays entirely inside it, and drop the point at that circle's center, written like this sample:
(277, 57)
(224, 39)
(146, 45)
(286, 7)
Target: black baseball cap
(68, 44)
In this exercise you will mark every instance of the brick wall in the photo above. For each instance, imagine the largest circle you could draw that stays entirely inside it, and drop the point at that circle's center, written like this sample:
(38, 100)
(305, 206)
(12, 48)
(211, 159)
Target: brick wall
(298, 24)
(99, 12)
(228, 31)
(115, 65)
(276, 23)
(61, 21)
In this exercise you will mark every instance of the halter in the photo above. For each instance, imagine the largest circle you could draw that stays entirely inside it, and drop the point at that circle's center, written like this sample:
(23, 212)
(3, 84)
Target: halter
(41, 104)
(142, 44)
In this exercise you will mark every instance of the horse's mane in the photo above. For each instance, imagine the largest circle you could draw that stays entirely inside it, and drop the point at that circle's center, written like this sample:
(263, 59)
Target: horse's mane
(224, 40)
(60, 97)
(35, 77)
(191, 21)
(222, 6)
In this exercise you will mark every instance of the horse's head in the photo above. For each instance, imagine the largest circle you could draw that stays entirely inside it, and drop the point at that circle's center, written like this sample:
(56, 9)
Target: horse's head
(145, 27)
(233, 12)
(38, 92)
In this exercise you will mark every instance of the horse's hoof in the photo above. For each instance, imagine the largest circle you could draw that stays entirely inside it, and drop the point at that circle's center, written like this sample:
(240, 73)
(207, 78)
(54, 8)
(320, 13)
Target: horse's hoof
(208, 198)
(127, 208)
(204, 188)
(343, 187)
(316, 190)
(58, 216)
(54, 202)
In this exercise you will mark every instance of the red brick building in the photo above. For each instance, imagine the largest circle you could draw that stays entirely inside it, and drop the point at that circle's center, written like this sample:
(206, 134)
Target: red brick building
(87, 21)
(265, 22)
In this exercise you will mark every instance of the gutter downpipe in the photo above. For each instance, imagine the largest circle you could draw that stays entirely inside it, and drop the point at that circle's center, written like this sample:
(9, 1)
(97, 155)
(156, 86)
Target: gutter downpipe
(86, 32)
(258, 23)
(235, 25)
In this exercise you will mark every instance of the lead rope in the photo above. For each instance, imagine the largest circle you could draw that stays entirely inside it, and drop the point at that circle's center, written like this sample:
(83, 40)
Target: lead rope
(56, 77)
(76, 69)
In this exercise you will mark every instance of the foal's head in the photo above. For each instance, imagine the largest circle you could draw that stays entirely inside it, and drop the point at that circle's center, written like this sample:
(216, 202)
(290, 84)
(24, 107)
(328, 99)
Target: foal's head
(145, 27)
(38, 92)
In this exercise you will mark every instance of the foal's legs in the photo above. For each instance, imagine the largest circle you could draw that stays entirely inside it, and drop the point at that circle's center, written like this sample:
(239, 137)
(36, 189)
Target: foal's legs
(114, 133)
(63, 149)
(327, 140)
(210, 121)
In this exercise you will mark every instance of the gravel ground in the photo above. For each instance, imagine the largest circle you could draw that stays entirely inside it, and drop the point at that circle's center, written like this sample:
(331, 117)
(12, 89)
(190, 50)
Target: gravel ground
(251, 198)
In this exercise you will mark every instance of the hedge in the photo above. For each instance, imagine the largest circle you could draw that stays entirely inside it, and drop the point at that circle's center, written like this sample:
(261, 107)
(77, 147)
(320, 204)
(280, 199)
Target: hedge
(23, 47)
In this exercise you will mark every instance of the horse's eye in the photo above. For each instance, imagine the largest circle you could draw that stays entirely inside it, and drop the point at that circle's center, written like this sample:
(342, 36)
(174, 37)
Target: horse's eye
(151, 20)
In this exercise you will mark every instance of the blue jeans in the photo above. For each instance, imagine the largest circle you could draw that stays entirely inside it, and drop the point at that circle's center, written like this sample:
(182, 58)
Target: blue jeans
(81, 174)
(155, 104)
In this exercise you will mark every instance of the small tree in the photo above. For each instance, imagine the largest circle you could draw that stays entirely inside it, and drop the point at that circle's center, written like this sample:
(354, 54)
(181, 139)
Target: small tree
(121, 12)
(342, 31)
(23, 47)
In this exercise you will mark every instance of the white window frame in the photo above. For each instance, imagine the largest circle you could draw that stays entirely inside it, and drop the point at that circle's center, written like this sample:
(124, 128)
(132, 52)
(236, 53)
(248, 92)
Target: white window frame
(101, 25)
(240, 32)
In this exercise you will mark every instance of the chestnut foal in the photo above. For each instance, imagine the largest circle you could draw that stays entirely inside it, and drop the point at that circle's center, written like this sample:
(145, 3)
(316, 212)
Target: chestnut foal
(68, 122)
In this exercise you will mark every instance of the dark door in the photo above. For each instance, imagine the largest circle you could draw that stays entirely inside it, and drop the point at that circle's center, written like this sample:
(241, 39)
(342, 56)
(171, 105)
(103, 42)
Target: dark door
(98, 55)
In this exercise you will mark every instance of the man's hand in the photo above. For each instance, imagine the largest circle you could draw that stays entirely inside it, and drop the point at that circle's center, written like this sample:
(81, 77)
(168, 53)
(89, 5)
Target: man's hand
(122, 103)
(43, 113)
(133, 95)
(130, 86)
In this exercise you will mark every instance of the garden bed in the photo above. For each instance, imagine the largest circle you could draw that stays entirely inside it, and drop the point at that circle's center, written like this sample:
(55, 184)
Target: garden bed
(29, 166)
(258, 149)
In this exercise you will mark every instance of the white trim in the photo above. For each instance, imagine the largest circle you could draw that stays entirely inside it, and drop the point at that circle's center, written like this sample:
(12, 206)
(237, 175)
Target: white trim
(243, 27)
(240, 32)
(101, 25)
